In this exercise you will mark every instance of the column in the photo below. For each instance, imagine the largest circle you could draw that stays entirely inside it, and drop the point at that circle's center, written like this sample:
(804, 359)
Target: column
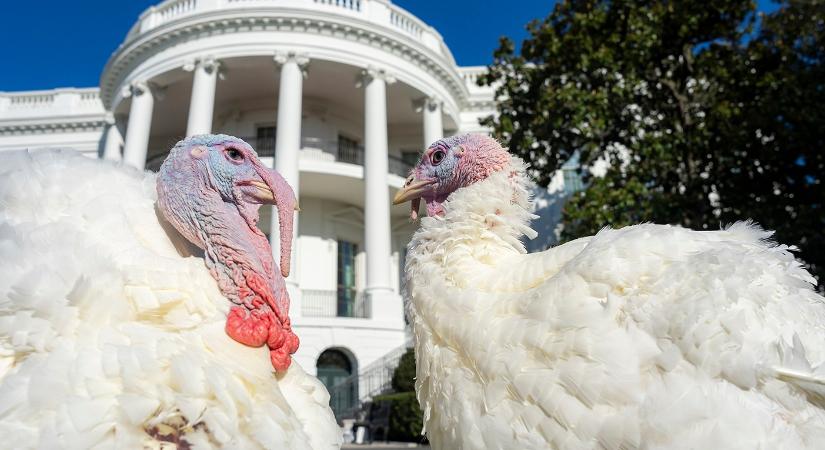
(114, 140)
(202, 103)
(376, 195)
(287, 146)
(433, 128)
(140, 122)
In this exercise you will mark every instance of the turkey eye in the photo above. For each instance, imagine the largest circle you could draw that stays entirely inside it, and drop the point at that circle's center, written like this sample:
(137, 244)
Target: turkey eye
(234, 154)
(437, 157)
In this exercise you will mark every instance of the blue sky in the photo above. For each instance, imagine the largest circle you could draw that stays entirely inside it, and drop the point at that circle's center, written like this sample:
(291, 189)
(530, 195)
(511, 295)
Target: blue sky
(52, 43)
(49, 43)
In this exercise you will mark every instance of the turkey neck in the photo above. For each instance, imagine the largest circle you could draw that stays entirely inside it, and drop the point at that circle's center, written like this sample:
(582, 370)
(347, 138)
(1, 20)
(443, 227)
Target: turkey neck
(240, 258)
(481, 225)
(237, 253)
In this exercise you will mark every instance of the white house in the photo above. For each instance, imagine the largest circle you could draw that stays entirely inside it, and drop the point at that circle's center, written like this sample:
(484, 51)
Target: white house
(340, 95)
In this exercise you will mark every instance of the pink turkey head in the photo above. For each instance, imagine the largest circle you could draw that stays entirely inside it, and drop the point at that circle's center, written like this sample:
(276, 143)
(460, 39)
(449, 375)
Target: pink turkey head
(229, 167)
(450, 164)
(210, 188)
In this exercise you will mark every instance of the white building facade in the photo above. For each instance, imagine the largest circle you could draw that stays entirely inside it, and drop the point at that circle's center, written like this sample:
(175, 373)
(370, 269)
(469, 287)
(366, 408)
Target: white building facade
(340, 96)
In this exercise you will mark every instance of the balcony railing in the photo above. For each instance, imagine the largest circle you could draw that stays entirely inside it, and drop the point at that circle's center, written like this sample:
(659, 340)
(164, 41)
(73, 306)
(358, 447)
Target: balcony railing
(378, 12)
(312, 148)
(56, 102)
(333, 151)
(326, 303)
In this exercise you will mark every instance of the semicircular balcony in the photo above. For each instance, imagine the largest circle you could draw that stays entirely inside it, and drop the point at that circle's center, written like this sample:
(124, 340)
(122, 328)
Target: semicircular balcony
(360, 33)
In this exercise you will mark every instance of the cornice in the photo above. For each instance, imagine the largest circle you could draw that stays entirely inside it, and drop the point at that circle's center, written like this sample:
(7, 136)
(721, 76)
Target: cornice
(132, 53)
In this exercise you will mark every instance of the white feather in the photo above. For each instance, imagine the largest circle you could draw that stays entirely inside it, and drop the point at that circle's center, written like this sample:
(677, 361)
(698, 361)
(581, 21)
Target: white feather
(110, 339)
(648, 336)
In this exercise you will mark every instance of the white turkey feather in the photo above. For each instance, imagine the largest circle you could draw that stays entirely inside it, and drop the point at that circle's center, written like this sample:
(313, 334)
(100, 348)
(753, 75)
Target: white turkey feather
(649, 336)
(109, 338)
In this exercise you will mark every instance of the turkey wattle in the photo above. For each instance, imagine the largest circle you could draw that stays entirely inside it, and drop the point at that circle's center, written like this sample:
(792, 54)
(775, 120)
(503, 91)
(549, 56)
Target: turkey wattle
(647, 336)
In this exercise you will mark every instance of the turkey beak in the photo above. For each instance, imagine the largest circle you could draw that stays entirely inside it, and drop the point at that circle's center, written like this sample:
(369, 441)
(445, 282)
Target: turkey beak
(412, 189)
(265, 194)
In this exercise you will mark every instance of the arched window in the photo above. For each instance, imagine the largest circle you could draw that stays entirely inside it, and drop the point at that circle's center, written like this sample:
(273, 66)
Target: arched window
(334, 368)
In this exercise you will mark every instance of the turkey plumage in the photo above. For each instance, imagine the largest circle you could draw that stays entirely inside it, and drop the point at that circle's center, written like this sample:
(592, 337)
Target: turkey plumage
(113, 331)
(649, 336)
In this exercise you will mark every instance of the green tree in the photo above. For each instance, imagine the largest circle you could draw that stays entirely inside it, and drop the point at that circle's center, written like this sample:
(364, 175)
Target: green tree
(403, 379)
(406, 418)
(683, 112)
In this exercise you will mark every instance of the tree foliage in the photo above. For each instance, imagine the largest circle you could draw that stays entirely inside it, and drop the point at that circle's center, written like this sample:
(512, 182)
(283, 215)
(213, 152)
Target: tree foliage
(683, 112)
(403, 378)
(406, 418)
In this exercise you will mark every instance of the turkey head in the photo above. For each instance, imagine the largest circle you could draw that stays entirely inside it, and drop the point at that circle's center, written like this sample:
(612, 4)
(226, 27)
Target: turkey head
(210, 188)
(450, 164)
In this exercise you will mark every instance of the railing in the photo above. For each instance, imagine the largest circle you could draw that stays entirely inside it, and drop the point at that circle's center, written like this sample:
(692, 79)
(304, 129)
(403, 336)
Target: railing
(327, 303)
(348, 4)
(405, 22)
(169, 11)
(470, 75)
(32, 101)
(332, 151)
(376, 11)
(399, 167)
(90, 96)
(312, 148)
(345, 398)
(58, 102)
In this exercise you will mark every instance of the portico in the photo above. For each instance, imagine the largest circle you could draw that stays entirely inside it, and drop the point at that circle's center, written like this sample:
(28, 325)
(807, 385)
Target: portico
(339, 97)
(370, 123)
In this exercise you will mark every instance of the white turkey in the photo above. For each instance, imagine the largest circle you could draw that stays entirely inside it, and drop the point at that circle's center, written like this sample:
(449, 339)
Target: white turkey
(649, 336)
(115, 332)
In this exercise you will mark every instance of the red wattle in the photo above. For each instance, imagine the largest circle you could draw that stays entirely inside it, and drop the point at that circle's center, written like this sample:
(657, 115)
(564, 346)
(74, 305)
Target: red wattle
(247, 327)
(258, 322)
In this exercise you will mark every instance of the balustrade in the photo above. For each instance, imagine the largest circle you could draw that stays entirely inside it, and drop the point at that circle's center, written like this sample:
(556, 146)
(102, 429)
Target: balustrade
(394, 17)
(347, 4)
(312, 149)
(60, 102)
(405, 22)
(327, 303)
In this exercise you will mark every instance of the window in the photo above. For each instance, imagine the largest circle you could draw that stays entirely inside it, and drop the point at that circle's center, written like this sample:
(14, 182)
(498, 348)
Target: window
(265, 141)
(572, 177)
(346, 278)
(349, 151)
(572, 180)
